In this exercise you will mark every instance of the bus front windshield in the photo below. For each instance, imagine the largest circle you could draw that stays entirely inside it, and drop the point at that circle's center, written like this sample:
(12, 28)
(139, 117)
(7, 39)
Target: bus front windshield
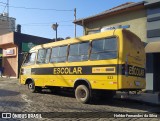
(30, 59)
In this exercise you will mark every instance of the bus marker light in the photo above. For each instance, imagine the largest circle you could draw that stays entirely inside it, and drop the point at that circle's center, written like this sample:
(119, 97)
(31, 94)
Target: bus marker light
(112, 82)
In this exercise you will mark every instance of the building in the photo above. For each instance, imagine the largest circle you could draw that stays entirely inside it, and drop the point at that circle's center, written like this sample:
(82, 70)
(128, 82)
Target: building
(130, 13)
(14, 46)
(7, 24)
(153, 46)
(143, 19)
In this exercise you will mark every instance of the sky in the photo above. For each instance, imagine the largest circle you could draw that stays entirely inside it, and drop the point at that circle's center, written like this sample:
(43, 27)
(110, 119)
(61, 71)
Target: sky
(38, 21)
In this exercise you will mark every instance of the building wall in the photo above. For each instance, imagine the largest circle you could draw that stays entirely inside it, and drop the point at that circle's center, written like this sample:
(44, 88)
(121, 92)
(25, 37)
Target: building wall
(10, 65)
(11, 44)
(21, 39)
(6, 39)
(10, 60)
(153, 34)
(6, 24)
(136, 19)
(153, 23)
(149, 71)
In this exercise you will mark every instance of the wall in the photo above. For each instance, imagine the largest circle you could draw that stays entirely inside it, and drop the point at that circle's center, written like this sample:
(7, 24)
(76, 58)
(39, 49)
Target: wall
(153, 35)
(21, 39)
(6, 24)
(12, 50)
(136, 20)
(7, 39)
(10, 65)
(153, 23)
(10, 61)
(149, 71)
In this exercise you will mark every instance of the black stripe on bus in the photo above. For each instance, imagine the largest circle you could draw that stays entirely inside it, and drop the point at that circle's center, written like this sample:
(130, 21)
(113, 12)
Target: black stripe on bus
(71, 70)
(88, 70)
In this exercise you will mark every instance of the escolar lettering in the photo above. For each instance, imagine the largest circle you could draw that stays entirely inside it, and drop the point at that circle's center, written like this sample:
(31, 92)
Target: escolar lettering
(67, 70)
(135, 71)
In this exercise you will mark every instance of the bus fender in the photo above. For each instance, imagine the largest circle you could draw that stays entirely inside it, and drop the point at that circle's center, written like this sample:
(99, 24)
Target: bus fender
(82, 81)
(28, 79)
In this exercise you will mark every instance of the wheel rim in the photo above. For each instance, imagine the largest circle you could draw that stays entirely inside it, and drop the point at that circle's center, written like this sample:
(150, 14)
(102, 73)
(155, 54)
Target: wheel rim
(30, 86)
(82, 93)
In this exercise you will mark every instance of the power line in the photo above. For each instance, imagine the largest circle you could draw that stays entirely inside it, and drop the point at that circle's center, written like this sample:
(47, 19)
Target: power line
(3, 3)
(39, 8)
(45, 23)
(49, 9)
(4, 9)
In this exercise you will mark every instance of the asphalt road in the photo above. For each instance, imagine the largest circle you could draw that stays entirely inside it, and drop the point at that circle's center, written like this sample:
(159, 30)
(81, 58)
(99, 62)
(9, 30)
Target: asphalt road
(16, 98)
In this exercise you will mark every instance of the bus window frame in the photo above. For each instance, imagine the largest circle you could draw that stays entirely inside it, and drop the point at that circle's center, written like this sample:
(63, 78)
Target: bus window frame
(117, 51)
(49, 55)
(45, 56)
(58, 53)
(38, 54)
(89, 47)
(68, 48)
(28, 64)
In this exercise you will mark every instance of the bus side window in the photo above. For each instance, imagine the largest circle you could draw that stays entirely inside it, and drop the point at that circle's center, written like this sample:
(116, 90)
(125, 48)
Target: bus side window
(59, 54)
(78, 52)
(104, 49)
(41, 56)
(83, 51)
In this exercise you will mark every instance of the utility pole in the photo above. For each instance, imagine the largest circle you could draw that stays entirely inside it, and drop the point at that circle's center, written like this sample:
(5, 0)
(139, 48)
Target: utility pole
(75, 20)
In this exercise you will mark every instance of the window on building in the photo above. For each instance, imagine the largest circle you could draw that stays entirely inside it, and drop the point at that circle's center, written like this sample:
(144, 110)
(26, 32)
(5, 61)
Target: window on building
(41, 56)
(78, 52)
(104, 49)
(59, 54)
(30, 59)
(154, 10)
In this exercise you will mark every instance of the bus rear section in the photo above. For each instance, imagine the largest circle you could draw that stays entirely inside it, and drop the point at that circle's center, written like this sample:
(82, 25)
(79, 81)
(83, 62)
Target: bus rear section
(132, 64)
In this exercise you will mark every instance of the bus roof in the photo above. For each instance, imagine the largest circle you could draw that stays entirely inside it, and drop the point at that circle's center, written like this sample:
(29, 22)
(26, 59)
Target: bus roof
(109, 33)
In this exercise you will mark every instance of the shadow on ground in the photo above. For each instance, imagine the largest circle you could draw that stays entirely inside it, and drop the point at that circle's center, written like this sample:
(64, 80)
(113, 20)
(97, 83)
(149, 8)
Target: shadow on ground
(116, 102)
(11, 104)
(4, 92)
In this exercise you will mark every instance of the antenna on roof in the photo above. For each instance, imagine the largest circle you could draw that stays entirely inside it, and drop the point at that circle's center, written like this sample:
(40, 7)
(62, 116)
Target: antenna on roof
(8, 8)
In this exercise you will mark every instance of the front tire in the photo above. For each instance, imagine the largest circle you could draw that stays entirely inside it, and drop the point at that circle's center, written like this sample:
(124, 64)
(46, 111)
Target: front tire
(32, 88)
(82, 94)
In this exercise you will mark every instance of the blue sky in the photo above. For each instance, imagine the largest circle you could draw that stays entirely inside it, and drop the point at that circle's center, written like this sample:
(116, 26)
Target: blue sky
(38, 22)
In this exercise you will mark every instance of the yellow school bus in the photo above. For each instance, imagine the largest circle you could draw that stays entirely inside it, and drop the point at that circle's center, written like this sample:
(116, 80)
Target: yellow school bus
(100, 63)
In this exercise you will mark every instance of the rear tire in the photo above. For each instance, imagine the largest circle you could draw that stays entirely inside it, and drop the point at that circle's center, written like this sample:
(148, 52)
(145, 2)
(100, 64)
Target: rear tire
(82, 94)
